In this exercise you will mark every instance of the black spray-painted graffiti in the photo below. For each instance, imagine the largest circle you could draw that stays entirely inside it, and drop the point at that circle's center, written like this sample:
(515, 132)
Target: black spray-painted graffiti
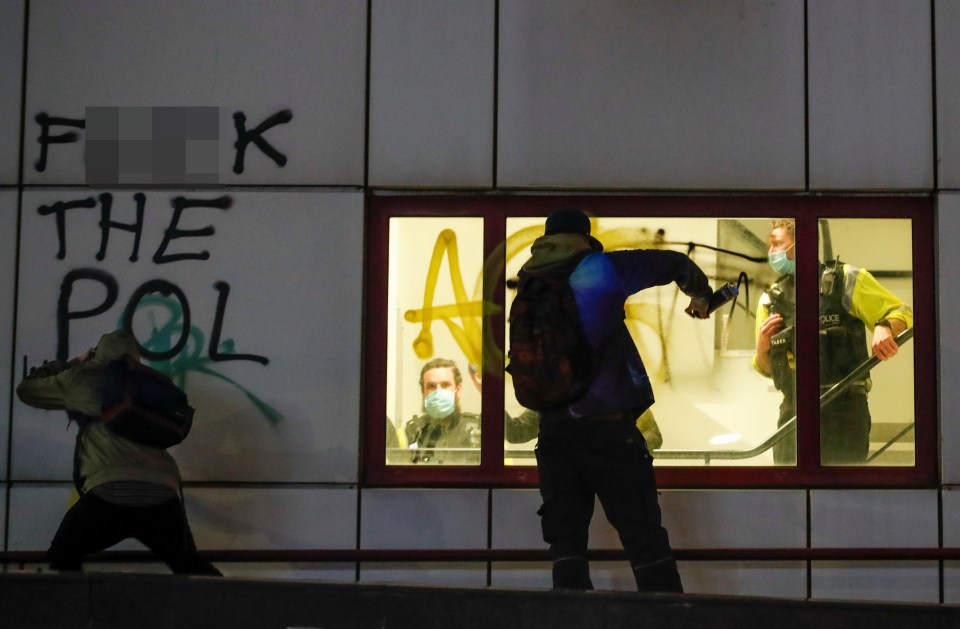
(173, 231)
(175, 345)
(163, 287)
(46, 139)
(244, 136)
(169, 344)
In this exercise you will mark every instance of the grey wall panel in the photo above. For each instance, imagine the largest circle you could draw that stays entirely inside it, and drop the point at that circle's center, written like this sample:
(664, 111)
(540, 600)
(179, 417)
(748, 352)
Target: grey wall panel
(779, 579)
(873, 518)
(258, 518)
(8, 253)
(947, 14)
(880, 581)
(951, 517)
(423, 518)
(951, 582)
(514, 519)
(870, 77)
(948, 295)
(252, 57)
(651, 94)
(35, 513)
(431, 87)
(11, 60)
(719, 519)
(281, 272)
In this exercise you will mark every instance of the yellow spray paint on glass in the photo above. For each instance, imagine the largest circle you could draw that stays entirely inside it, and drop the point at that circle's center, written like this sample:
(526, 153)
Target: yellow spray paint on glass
(470, 309)
(466, 309)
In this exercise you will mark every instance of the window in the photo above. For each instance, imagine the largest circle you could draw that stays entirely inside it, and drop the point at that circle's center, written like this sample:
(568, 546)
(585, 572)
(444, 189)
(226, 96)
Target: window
(434, 340)
(437, 301)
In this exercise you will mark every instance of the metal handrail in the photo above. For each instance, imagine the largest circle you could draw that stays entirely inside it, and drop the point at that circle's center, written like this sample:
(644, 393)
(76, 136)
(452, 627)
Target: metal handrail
(895, 439)
(790, 425)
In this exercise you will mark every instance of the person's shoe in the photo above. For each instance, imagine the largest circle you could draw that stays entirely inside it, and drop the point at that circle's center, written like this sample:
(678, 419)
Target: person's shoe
(572, 573)
(658, 576)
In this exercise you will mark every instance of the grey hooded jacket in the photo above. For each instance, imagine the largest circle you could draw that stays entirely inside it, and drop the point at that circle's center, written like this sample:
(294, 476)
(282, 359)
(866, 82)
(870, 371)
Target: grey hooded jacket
(101, 456)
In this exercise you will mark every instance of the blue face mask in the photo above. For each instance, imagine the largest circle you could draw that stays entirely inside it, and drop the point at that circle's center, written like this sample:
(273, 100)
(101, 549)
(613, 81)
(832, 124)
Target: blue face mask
(440, 403)
(780, 263)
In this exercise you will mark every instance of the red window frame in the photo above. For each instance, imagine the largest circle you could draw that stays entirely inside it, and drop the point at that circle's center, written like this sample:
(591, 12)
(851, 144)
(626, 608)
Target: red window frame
(495, 209)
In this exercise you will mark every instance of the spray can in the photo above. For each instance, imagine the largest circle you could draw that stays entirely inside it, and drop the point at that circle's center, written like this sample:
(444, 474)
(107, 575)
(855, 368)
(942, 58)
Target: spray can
(722, 296)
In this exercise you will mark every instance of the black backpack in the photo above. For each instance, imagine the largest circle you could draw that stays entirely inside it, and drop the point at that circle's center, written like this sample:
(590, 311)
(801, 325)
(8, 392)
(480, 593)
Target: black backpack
(143, 405)
(550, 358)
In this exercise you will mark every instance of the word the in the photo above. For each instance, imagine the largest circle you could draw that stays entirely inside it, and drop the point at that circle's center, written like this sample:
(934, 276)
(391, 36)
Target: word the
(172, 232)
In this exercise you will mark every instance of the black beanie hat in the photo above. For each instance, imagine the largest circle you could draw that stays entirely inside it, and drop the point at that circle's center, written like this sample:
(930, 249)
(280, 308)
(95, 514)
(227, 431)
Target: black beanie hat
(567, 221)
(570, 221)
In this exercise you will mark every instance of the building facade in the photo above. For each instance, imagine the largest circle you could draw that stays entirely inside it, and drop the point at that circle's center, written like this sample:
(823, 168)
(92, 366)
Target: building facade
(244, 184)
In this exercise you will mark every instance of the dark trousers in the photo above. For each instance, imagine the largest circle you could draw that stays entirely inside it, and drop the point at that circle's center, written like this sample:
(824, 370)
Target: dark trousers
(785, 450)
(582, 460)
(93, 524)
(844, 431)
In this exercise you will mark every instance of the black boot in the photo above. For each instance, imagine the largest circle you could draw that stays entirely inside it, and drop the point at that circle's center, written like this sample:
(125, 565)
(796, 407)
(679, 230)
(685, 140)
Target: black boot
(572, 573)
(657, 576)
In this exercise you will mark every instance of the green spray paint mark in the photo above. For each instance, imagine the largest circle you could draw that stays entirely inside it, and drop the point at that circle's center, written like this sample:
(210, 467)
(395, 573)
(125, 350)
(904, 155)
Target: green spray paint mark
(191, 358)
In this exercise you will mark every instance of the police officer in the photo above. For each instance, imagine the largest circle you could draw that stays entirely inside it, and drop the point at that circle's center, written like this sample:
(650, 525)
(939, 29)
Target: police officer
(850, 298)
(444, 434)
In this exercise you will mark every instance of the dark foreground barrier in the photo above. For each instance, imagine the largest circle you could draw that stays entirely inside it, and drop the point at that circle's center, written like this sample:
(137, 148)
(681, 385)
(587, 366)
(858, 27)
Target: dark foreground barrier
(130, 601)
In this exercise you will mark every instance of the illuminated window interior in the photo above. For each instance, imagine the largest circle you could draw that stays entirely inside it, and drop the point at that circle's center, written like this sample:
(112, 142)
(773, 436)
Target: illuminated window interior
(709, 400)
(713, 409)
(434, 296)
(881, 247)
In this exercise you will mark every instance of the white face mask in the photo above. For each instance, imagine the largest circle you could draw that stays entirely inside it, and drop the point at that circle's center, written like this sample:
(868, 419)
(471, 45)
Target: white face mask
(440, 403)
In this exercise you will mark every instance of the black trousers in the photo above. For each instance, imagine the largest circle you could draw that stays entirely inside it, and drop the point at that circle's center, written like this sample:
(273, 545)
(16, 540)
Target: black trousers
(93, 524)
(582, 460)
(844, 431)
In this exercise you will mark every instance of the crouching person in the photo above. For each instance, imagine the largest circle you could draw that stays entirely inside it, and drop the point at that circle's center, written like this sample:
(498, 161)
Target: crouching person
(127, 490)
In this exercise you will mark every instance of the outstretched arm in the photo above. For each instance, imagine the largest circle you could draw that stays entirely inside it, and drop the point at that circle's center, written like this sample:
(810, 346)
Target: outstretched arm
(45, 386)
(522, 428)
(643, 268)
